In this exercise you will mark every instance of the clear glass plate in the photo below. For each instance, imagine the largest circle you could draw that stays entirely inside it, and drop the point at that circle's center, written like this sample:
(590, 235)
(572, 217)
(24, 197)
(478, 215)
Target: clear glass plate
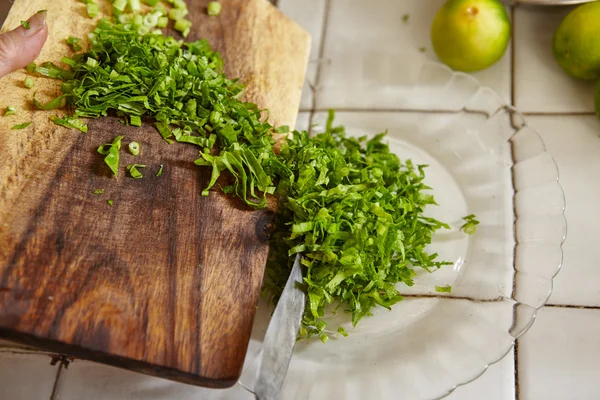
(483, 159)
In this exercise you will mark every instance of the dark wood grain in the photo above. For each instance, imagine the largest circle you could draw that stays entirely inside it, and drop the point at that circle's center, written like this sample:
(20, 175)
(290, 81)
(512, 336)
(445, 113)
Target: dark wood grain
(164, 281)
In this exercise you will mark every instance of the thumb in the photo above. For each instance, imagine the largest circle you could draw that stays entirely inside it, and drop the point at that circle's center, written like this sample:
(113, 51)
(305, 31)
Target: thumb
(21, 46)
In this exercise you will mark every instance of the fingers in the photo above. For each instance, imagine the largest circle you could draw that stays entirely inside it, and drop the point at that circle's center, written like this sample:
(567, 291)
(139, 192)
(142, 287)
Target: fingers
(21, 46)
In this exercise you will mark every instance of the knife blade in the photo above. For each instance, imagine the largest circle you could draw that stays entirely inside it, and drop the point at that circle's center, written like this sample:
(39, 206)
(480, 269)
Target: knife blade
(280, 338)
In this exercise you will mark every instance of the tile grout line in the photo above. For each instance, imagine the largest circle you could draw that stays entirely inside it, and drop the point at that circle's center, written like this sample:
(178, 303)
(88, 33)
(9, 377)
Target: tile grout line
(406, 110)
(512, 58)
(54, 394)
(516, 358)
(572, 306)
(513, 101)
(561, 114)
(314, 89)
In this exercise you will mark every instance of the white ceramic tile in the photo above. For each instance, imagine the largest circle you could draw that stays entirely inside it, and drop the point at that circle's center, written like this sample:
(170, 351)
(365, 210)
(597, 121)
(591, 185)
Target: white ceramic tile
(497, 383)
(540, 83)
(574, 143)
(558, 357)
(303, 121)
(368, 43)
(84, 380)
(310, 14)
(26, 376)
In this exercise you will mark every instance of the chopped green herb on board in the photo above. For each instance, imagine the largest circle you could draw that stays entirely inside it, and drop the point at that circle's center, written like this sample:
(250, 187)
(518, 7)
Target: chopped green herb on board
(134, 148)
(58, 102)
(10, 110)
(21, 126)
(26, 24)
(73, 42)
(111, 151)
(214, 8)
(92, 9)
(133, 170)
(160, 170)
(177, 84)
(109, 202)
(70, 122)
(28, 82)
(98, 191)
(135, 120)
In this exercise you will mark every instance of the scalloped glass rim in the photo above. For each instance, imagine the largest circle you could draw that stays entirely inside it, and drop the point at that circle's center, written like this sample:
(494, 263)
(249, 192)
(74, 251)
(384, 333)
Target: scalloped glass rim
(480, 118)
(538, 200)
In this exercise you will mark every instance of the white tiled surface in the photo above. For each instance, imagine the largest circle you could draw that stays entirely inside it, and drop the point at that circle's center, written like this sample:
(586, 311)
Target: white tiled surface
(310, 14)
(558, 358)
(540, 84)
(369, 38)
(575, 144)
(497, 383)
(26, 376)
(89, 381)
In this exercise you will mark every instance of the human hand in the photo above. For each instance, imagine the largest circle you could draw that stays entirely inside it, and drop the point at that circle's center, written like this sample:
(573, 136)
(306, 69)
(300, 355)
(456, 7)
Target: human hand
(21, 46)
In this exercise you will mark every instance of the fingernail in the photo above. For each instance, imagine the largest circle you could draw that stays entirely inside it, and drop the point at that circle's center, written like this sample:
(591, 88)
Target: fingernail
(36, 23)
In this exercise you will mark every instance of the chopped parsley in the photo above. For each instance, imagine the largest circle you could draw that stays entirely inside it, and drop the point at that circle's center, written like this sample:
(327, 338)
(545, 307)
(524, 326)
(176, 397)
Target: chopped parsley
(134, 148)
(111, 151)
(356, 212)
(70, 122)
(92, 9)
(21, 126)
(183, 87)
(58, 102)
(135, 120)
(133, 170)
(160, 170)
(109, 202)
(26, 24)
(10, 110)
(470, 225)
(28, 82)
(443, 289)
(73, 42)
(214, 8)
(98, 191)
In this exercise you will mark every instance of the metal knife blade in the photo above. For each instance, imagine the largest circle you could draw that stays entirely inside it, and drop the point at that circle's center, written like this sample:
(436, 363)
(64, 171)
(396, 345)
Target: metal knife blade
(280, 337)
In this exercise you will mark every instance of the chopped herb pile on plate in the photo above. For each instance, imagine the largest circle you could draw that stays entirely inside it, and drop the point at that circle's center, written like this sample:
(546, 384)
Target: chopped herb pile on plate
(356, 212)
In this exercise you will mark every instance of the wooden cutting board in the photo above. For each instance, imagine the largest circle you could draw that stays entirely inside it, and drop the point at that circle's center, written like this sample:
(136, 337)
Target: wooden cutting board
(165, 281)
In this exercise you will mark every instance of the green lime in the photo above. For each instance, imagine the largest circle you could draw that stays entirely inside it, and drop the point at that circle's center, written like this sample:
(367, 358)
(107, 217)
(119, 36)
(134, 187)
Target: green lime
(470, 35)
(577, 42)
(597, 99)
